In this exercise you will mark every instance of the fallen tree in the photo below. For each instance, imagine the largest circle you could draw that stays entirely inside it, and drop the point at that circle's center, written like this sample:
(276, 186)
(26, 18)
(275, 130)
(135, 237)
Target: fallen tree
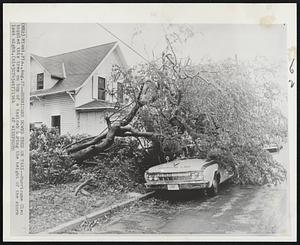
(221, 108)
(119, 128)
(155, 86)
(227, 110)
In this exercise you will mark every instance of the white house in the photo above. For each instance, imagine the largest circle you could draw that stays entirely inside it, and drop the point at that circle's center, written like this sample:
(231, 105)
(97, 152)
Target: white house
(69, 91)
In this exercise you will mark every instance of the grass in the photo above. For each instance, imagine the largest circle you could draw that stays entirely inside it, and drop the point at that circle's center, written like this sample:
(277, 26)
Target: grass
(56, 205)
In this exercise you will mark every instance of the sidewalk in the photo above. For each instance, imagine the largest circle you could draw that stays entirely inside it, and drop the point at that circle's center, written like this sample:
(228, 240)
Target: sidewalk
(55, 206)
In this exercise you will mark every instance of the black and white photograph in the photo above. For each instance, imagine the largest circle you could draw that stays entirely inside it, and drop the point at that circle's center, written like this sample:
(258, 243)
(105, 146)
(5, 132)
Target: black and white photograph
(155, 128)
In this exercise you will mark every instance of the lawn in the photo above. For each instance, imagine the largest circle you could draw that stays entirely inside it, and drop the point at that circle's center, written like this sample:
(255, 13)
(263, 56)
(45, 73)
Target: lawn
(58, 204)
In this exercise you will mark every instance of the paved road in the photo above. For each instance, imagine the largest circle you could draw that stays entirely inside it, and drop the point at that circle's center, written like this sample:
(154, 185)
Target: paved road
(236, 210)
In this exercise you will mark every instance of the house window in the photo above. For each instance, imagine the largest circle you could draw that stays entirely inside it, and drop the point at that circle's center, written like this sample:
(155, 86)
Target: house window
(40, 81)
(101, 88)
(120, 92)
(55, 122)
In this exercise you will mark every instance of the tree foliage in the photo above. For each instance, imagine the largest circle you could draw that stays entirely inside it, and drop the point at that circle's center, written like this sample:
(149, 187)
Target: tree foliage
(121, 168)
(227, 110)
(49, 163)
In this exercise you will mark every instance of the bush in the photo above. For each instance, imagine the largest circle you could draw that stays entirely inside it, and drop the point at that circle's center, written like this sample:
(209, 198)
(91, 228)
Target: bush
(119, 169)
(49, 163)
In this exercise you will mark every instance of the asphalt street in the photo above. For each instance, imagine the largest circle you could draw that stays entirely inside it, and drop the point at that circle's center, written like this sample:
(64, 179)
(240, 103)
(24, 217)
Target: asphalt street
(236, 210)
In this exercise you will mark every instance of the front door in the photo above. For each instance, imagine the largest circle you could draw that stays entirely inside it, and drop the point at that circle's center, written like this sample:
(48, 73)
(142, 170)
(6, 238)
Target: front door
(55, 122)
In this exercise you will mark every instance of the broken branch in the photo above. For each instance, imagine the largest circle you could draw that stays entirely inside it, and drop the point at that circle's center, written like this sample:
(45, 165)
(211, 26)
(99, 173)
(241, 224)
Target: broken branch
(85, 183)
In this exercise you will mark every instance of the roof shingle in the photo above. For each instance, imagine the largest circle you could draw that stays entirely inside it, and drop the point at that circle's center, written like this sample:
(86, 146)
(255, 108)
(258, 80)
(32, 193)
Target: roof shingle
(78, 65)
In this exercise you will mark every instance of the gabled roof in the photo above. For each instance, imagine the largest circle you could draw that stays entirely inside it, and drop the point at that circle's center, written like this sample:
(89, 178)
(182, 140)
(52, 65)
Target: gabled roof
(96, 105)
(78, 66)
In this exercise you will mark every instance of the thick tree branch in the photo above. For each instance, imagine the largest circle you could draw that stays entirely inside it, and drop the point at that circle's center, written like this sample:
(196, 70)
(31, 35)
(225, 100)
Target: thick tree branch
(95, 140)
(131, 114)
(85, 183)
(140, 92)
(108, 122)
(78, 142)
(93, 149)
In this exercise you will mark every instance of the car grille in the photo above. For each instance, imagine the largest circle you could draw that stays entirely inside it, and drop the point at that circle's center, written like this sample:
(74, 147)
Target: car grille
(173, 176)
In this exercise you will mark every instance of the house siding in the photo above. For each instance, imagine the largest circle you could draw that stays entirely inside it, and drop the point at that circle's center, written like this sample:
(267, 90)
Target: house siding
(91, 122)
(51, 105)
(72, 121)
(36, 68)
(85, 94)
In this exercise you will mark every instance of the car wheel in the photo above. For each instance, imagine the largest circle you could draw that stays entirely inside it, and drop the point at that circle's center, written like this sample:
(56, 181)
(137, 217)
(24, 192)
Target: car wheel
(214, 189)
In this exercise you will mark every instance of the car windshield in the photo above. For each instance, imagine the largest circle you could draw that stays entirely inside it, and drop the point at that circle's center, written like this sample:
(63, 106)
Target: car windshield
(186, 157)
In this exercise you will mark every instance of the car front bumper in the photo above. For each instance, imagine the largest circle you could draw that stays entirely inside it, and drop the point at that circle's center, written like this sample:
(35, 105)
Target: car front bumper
(178, 186)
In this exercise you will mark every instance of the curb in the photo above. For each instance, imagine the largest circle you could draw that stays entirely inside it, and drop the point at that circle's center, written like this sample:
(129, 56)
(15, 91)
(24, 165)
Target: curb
(93, 215)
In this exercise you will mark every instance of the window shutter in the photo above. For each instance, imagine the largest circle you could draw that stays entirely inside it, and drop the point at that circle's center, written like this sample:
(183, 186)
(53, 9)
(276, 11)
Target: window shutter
(120, 92)
(95, 86)
(101, 88)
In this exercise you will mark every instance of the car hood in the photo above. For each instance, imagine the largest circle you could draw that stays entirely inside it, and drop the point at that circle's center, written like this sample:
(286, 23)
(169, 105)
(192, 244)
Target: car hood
(179, 165)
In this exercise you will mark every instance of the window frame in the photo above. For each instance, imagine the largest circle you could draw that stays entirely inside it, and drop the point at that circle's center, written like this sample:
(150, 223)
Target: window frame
(60, 120)
(38, 81)
(101, 88)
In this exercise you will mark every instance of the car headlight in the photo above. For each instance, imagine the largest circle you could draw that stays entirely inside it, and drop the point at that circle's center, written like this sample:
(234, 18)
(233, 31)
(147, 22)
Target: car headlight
(197, 175)
(146, 176)
(150, 177)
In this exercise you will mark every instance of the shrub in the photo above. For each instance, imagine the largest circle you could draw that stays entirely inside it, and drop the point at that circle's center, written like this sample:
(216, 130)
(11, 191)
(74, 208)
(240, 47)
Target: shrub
(49, 163)
(119, 169)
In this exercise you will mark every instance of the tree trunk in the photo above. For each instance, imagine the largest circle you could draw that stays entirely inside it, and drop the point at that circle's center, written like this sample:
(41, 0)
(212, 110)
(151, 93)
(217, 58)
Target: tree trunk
(102, 142)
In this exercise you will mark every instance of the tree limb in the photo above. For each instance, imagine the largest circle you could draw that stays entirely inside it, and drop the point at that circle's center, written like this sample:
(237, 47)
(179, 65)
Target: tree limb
(85, 183)
(95, 140)
(108, 122)
(140, 92)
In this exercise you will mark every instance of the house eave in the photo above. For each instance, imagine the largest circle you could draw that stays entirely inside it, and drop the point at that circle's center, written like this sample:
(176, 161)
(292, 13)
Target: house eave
(32, 56)
(94, 108)
(57, 77)
(58, 92)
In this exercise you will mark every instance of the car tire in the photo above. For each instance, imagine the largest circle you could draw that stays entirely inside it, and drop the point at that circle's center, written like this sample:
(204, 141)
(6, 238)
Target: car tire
(214, 189)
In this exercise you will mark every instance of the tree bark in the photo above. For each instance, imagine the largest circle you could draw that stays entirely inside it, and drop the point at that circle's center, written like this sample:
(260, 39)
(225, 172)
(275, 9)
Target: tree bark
(120, 128)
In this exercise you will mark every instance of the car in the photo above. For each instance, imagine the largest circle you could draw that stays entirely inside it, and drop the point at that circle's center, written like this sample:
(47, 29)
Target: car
(187, 174)
(273, 147)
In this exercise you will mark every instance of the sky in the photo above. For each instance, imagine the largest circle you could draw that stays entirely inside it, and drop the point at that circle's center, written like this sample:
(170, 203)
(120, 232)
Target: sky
(212, 41)
(208, 41)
